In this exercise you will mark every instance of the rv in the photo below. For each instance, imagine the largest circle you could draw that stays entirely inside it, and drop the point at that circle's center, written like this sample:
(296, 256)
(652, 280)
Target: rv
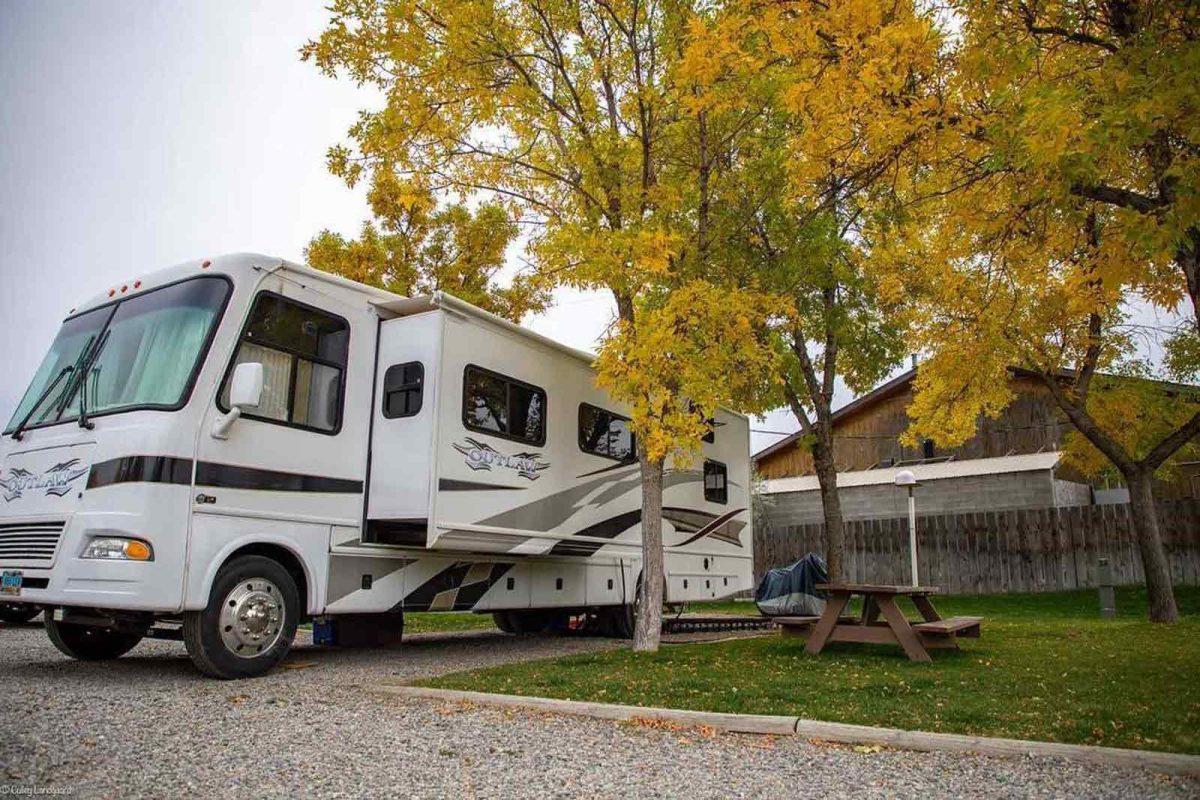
(223, 449)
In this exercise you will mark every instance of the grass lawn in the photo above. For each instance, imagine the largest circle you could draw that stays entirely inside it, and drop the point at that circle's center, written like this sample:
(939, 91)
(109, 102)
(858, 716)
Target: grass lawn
(437, 621)
(1046, 668)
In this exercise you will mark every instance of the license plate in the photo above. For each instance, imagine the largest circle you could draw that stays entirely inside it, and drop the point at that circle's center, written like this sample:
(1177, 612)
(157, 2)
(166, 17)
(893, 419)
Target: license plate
(10, 581)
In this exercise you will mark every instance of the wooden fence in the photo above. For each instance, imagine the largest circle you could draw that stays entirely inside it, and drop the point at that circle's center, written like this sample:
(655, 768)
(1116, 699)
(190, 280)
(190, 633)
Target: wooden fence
(1031, 550)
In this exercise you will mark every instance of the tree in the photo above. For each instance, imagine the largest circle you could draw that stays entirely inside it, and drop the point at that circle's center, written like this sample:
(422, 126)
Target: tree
(418, 248)
(848, 95)
(1071, 199)
(692, 351)
(568, 113)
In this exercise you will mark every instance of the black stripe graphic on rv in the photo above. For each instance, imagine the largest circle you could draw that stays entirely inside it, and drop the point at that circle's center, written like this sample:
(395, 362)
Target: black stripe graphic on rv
(610, 528)
(229, 476)
(685, 520)
(629, 462)
(724, 528)
(451, 485)
(554, 510)
(456, 588)
(141, 469)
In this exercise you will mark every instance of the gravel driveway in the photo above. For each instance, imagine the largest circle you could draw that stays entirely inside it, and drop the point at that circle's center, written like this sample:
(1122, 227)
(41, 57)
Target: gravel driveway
(149, 725)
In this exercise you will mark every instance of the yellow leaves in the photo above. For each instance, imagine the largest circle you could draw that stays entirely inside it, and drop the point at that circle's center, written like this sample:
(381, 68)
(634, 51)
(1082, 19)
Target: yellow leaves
(950, 396)
(1007, 258)
(701, 349)
(859, 81)
(422, 249)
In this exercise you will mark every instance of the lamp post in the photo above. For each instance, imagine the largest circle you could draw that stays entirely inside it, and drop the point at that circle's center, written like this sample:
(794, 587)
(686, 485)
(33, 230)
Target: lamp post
(908, 480)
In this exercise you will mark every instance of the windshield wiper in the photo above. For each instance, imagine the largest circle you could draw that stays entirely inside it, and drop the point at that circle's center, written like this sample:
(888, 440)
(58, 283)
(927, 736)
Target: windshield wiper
(84, 422)
(67, 390)
(64, 372)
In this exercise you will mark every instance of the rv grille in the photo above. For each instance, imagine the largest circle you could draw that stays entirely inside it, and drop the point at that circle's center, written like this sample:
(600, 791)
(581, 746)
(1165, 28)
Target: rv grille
(31, 543)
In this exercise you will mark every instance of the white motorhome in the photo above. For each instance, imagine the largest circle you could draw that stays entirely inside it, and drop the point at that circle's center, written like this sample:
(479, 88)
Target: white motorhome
(219, 450)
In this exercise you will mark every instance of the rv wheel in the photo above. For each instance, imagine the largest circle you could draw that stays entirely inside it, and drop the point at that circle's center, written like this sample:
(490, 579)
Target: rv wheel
(87, 643)
(250, 621)
(503, 622)
(18, 613)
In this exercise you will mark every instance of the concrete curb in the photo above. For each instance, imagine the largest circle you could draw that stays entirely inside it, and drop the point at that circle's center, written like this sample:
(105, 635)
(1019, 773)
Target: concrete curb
(1169, 763)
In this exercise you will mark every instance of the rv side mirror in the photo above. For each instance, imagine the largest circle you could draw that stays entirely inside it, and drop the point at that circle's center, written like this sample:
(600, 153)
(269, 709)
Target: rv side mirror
(245, 391)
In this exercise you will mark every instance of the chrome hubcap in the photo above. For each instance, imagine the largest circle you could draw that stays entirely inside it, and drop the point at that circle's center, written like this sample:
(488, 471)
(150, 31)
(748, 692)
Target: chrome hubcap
(252, 618)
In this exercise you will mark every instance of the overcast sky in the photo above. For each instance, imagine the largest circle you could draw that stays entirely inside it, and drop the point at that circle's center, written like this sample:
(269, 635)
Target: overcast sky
(136, 135)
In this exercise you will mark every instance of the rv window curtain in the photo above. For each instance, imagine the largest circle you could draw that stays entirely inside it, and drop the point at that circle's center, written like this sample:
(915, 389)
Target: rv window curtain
(303, 351)
(151, 346)
(277, 379)
(148, 359)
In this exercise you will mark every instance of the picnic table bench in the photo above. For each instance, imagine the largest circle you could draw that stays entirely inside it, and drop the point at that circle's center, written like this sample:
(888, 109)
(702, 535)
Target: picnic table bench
(917, 639)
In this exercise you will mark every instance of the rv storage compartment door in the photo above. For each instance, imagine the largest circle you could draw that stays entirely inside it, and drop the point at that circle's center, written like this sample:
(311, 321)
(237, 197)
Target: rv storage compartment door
(402, 436)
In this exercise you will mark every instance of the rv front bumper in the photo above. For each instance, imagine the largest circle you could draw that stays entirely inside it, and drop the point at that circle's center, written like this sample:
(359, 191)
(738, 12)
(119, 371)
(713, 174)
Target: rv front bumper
(90, 583)
(66, 563)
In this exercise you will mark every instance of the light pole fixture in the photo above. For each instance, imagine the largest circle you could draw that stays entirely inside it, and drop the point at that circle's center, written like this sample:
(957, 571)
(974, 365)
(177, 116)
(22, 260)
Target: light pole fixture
(907, 479)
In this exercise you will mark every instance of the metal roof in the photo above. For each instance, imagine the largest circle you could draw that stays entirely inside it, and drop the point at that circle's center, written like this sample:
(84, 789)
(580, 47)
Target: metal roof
(1030, 462)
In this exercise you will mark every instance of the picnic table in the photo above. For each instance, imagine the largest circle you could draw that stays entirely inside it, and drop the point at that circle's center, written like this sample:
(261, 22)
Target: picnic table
(917, 638)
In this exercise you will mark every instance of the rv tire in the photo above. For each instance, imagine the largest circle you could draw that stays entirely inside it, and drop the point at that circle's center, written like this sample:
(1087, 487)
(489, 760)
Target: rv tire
(88, 643)
(503, 622)
(254, 590)
(18, 613)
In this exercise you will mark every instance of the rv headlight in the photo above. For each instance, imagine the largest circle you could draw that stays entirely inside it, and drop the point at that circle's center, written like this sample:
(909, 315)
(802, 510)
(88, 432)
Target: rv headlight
(115, 548)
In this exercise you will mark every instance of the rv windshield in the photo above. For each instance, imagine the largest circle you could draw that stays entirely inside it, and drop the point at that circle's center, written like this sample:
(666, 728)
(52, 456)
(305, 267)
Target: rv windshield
(152, 345)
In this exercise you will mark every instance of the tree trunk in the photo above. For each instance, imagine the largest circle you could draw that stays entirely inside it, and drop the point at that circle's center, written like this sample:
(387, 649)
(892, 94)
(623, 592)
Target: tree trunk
(1189, 261)
(1154, 556)
(831, 505)
(650, 594)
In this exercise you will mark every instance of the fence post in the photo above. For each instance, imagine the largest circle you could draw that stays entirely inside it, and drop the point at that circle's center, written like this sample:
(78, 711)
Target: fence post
(1104, 579)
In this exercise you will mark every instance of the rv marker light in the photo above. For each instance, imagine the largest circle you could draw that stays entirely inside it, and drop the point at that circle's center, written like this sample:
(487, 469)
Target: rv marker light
(115, 548)
(137, 550)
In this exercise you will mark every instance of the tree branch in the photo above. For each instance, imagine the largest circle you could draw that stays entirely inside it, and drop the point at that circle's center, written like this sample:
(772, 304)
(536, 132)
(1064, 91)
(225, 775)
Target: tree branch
(798, 409)
(1078, 37)
(1124, 198)
(1084, 423)
(1167, 447)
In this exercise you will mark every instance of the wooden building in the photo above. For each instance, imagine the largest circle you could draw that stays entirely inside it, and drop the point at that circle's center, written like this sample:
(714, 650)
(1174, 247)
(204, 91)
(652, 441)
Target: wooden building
(867, 432)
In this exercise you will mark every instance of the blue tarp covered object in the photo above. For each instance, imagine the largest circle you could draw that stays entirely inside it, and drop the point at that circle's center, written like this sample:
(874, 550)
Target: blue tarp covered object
(792, 591)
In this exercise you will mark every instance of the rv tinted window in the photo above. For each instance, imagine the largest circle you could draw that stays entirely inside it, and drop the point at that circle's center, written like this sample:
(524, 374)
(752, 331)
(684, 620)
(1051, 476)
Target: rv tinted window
(503, 406)
(716, 489)
(711, 436)
(280, 323)
(303, 353)
(604, 433)
(403, 387)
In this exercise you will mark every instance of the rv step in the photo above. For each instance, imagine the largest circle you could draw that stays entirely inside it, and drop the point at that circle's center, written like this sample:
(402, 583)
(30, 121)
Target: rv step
(731, 622)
